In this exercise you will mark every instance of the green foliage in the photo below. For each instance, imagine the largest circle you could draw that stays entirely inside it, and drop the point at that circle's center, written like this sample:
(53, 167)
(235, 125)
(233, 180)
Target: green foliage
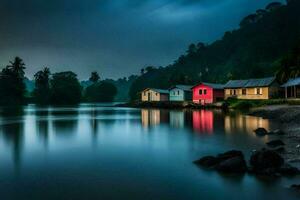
(42, 86)
(65, 88)
(94, 77)
(289, 66)
(12, 87)
(100, 92)
(248, 52)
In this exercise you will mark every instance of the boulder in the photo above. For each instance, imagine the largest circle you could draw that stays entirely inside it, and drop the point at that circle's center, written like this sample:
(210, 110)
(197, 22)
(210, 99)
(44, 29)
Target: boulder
(228, 162)
(266, 161)
(261, 132)
(288, 170)
(279, 149)
(232, 165)
(275, 143)
(207, 161)
(230, 154)
(295, 187)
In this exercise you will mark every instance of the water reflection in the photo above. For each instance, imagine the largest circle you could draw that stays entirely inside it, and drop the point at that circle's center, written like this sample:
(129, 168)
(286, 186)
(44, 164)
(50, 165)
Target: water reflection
(73, 158)
(153, 117)
(11, 129)
(243, 123)
(203, 121)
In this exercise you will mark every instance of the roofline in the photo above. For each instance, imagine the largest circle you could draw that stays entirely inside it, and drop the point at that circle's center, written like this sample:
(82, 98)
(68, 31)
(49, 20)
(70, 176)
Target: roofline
(204, 83)
(176, 86)
(155, 91)
(274, 79)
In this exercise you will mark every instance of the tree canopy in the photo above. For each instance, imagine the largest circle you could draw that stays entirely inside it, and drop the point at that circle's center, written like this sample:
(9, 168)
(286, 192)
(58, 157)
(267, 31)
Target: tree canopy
(100, 92)
(251, 51)
(12, 87)
(65, 88)
(42, 86)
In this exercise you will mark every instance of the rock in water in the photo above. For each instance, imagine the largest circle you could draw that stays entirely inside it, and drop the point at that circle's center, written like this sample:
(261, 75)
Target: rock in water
(232, 165)
(207, 161)
(275, 143)
(266, 162)
(261, 132)
(288, 170)
(295, 187)
(228, 162)
(230, 154)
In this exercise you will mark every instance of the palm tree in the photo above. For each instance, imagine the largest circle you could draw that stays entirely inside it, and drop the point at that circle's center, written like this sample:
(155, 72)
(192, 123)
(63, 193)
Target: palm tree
(17, 67)
(42, 86)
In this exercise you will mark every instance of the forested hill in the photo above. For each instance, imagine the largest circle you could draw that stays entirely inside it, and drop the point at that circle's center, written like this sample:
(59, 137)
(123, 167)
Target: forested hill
(253, 50)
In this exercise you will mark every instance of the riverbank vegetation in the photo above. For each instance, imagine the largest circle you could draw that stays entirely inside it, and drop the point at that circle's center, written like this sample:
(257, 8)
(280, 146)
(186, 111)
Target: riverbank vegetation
(61, 88)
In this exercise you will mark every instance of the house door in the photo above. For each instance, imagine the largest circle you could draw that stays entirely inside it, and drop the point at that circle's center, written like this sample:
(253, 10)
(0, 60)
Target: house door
(203, 102)
(149, 96)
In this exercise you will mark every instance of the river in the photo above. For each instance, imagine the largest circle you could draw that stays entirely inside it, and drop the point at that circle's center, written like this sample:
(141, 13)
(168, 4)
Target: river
(93, 151)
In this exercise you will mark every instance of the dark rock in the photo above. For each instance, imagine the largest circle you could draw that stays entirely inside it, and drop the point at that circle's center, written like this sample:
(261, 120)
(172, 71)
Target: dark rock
(266, 161)
(261, 132)
(207, 161)
(279, 149)
(228, 162)
(288, 170)
(296, 187)
(275, 143)
(230, 154)
(232, 165)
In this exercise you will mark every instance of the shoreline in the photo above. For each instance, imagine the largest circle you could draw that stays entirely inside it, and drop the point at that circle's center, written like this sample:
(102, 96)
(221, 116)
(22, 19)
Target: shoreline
(288, 118)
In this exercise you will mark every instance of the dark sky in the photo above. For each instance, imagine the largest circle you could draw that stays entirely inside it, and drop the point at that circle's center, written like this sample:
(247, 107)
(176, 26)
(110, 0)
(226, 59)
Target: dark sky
(115, 37)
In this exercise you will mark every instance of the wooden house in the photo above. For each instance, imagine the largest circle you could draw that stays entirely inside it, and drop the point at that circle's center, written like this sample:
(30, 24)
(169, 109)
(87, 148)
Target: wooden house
(180, 93)
(207, 93)
(152, 94)
(252, 89)
(292, 88)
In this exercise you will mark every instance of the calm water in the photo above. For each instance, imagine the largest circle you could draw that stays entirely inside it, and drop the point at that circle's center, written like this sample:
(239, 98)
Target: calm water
(96, 152)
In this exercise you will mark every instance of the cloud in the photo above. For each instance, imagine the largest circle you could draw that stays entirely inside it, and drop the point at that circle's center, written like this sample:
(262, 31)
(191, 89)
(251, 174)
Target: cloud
(115, 37)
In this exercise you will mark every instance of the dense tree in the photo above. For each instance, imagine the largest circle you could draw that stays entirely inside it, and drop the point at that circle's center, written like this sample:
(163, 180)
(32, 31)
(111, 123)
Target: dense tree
(12, 87)
(250, 19)
(42, 86)
(94, 77)
(289, 66)
(273, 6)
(65, 88)
(100, 92)
(248, 52)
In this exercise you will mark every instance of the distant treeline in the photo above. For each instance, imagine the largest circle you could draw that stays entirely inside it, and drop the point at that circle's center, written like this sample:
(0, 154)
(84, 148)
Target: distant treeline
(267, 43)
(61, 88)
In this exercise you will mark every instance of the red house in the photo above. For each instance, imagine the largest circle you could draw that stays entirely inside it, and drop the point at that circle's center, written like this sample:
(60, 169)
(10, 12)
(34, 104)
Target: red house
(207, 93)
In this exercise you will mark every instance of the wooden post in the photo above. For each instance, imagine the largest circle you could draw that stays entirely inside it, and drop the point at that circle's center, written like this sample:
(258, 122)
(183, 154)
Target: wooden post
(295, 92)
(286, 96)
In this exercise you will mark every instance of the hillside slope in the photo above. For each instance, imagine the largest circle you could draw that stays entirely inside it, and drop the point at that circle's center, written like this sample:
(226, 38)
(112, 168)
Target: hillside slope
(253, 50)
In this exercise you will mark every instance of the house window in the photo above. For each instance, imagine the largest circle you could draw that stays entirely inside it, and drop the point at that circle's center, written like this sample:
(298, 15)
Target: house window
(204, 91)
(174, 93)
(156, 94)
(144, 93)
(259, 91)
(230, 92)
(200, 92)
(178, 92)
(234, 92)
(244, 91)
